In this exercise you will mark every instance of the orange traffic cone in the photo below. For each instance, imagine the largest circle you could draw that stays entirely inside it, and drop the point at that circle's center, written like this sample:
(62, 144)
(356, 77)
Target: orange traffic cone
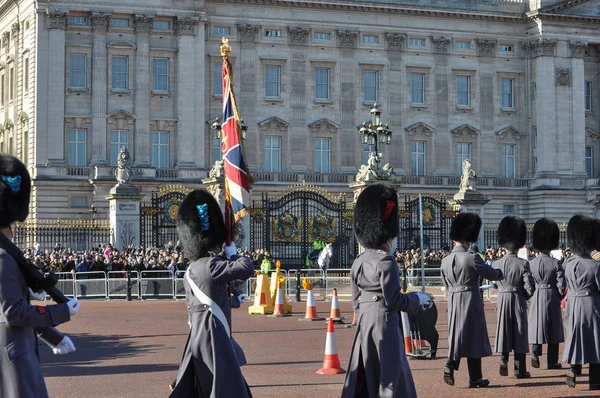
(353, 324)
(311, 309)
(408, 345)
(335, 314)
(331, 363)
(278, 310)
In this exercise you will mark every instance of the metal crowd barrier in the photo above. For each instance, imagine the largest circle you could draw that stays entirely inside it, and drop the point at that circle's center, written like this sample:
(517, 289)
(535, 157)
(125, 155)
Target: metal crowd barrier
(156, 284)
(117, 284)
(90, 285)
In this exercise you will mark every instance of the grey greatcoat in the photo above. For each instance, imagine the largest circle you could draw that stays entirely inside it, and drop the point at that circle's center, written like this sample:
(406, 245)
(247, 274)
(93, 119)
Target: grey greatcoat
(513, 292)
(377, 358)
(467, 329)
(582, 313)
(210, 366)
(545, 315)
(20, 368)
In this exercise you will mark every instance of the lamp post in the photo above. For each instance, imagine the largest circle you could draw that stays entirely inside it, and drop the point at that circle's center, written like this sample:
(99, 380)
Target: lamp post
(217, 127)
(92, 212)
(375, 133)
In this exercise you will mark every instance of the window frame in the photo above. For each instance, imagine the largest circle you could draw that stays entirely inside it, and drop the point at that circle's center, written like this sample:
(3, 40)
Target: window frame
(116, 23)
(460, 157)
(73, 18)
(372, 39)
(118, 143)
(364, 85)
(588, 96)
(167, 75)
(272, 152)
(511, 94)
(71, 74)
(220, 31)
(327, 84)
(125, 73)
(79, 145)
(416, 153)
(413, 42)
(156, 25)
(278, 34)
(267, 82)
(322, 151)
(589, 159)
(458, 91)
(505, 157)
(156, 162)
(423, 87)
(321, 36)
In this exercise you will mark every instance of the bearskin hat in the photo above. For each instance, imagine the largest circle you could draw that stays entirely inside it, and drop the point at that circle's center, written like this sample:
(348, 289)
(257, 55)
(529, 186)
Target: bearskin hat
(200, 224)
(597, 226)
(15, 190)
(465, 227)
(582, 235)
(376, 216)
(545, 235)
(512, 233)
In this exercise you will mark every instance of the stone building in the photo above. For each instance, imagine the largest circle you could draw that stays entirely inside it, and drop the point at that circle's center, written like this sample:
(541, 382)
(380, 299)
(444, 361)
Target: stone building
(510, 84)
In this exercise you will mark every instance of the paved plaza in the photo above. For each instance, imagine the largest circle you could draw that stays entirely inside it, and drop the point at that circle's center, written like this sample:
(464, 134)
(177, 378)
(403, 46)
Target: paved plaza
(132, 349)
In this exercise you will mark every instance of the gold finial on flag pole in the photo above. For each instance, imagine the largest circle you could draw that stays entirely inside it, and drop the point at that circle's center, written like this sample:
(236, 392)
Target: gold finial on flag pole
(225, 47)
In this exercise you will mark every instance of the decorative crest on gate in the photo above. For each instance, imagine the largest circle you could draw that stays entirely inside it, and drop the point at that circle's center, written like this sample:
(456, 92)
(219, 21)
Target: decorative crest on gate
(314, 189)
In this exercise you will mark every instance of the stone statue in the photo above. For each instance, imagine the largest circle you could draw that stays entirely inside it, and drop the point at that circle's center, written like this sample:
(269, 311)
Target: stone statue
(371, 171)
(217, 169)
(467, 180)
(374, 158)
(123, 171)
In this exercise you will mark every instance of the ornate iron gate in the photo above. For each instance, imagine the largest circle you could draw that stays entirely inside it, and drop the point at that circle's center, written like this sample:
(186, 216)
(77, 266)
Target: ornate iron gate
(158, 215)
(436, 223)
(287, 225)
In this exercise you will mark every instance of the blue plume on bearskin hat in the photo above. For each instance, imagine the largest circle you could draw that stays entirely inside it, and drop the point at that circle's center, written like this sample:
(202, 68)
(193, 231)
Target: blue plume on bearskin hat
(545, 235)
(376, 216)
(15, 190)
(465, 227)
(200, 224)
(512, 233)
(581, 233)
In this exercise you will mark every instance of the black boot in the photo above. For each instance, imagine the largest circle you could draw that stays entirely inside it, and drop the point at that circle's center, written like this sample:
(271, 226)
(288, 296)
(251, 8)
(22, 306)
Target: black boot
(503, 369)
(571, 378)
(524, 375)
(535, 361)
(448, 375)
(479, 383)
(554, 366)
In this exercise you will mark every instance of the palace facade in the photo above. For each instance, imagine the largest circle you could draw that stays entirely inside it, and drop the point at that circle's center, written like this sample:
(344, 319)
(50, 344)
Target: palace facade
(511, 85)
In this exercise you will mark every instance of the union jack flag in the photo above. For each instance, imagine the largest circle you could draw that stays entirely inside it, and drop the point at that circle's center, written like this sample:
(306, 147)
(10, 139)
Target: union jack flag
(237, 187)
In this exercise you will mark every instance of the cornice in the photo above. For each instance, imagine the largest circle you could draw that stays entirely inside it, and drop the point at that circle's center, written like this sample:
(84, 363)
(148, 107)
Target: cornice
(563, 5)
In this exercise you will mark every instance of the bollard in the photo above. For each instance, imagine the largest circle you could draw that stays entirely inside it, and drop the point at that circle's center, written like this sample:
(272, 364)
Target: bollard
(298, 286)
(128, 285)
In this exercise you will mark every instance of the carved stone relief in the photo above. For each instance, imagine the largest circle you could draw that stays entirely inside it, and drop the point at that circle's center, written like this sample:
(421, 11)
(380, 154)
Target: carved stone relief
(248, 33)
(563, 76)
(347, 39)
(441, 44)
(487, 48)
(395, 41)
(298, 36)
(57, 19)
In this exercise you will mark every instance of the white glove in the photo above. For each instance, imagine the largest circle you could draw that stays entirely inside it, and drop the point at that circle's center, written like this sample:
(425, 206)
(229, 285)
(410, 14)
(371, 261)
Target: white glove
(64, 347)
(243, 298)
(73, 306)
(424, 299)
(486, 287)
(230, 250)
(41, 296)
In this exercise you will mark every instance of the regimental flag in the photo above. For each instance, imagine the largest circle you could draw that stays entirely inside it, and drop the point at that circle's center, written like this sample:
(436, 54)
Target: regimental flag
(237, 187)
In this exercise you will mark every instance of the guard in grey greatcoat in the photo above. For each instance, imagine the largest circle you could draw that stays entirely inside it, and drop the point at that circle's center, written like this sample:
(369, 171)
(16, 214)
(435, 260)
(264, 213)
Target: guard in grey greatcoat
(545, 315)
(513, 292)
(378, 365)
(582, 313)
(211, 361)
(467, 329)
(20, 368)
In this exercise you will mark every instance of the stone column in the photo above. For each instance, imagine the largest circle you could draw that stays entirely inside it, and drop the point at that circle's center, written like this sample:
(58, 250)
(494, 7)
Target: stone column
(99, 64)
(442, 139)
(486, 50)
(143, 24)
(395, 44)
(347, 41)
(186, 128)
(124, 210)
(298, 138)
(56, 87)
(575, 119)
(200, 66)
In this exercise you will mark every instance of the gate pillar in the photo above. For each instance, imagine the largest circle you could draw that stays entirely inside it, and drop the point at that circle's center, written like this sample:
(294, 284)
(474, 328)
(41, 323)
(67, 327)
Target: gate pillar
(124, 205)
(473, 202)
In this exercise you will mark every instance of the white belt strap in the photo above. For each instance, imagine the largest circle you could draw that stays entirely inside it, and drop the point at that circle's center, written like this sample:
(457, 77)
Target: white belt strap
(212, 306)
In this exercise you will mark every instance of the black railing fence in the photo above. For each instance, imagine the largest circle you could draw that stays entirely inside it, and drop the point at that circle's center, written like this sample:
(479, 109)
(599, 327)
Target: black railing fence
(75, 234)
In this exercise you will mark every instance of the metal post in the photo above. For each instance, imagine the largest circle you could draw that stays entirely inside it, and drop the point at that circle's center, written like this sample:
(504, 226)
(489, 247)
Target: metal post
(422, 250)
(128, 285)
(298, 286)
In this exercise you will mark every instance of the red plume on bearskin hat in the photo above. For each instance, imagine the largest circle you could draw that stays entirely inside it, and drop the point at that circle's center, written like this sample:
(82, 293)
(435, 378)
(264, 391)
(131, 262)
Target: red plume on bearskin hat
(376, 216)
(15, 190)
(512, 233)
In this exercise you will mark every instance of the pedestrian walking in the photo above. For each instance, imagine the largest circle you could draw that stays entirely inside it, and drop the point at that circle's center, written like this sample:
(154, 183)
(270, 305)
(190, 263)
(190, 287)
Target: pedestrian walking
(467, 328)
(378, 365)
(545, 315)
(514, 290)
(582, 312)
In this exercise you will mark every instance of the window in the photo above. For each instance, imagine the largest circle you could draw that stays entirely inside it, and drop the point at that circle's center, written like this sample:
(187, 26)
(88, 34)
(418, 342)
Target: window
(321, 36)
(217, 80)
(508, 98)
(11, 82)
(118, 140)
(119, 23)
(272, 33)
(25, 148)
(160, 25)
(462, 45)
(77, 71)
(26, 75)
(79, 201)
(370, 86)
(463, 97)
(588, 96)
(417, 88)
(220, 31)
(508, 209)
(160, 149)
(508, 161)
(463, 152)
(322, 156)
(76, 148)
(119, 73)
(369, 39)
(416, 43)
(322, 83)
(589, 161)
(217, 152)
(505, 49)
(160, 74)
(78, 21)
(272, 75)
(273, 154)
(417, 158)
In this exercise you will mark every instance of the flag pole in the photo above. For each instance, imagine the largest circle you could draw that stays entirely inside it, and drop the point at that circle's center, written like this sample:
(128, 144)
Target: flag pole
(422, 249)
